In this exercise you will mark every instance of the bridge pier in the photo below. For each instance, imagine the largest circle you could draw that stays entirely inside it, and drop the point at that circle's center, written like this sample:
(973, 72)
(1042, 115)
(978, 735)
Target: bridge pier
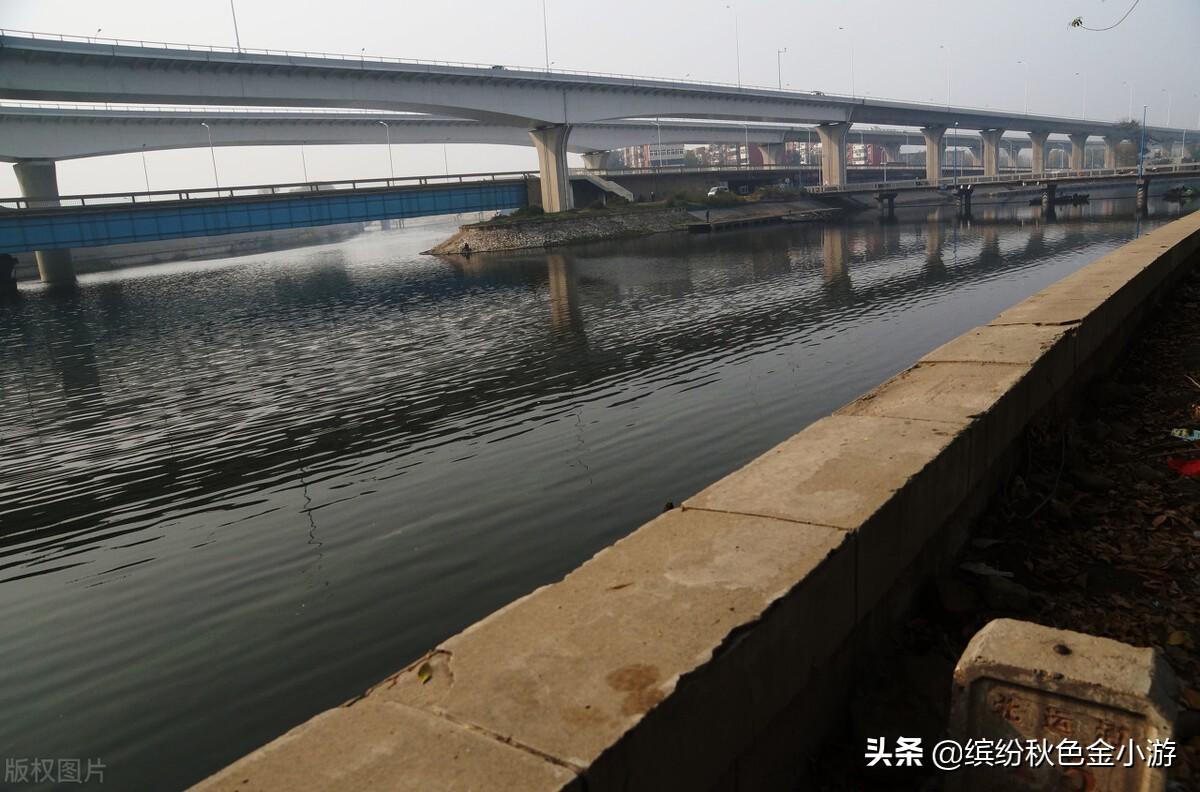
(935, 145)
(891, 152)
(1110, 151)
(594, 160)
(772, 153)
(991, 151)
(1049, 193)
(833, 153)
(38, 180)
(1014, 156)
(1078, 147)
(1038, 155)
(887, 203)
(963, 192)
(551, 145)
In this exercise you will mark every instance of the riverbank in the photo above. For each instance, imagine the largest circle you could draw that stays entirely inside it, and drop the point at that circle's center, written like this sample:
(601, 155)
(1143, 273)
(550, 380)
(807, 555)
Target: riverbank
(718, 644)
(567, 228)
(1095, 532)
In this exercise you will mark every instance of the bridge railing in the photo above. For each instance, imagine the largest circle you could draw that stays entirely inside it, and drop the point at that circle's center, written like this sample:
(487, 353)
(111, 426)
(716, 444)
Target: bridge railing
(1005, 178)
(210, 193)
(632, 80)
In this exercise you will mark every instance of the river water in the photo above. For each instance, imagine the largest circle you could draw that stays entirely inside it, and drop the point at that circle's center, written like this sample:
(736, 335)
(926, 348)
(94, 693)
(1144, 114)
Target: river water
(234, 493)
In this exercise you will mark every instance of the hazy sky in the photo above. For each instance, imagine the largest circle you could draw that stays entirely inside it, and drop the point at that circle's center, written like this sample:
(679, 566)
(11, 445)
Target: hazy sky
(900, 50)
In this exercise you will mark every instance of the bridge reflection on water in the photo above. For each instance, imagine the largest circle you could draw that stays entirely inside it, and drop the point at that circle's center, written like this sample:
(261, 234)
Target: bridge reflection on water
(236, 493)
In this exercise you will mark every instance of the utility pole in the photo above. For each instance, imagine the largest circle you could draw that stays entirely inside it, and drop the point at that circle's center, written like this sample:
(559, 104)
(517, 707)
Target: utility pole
(779, 66)
(1142, 144)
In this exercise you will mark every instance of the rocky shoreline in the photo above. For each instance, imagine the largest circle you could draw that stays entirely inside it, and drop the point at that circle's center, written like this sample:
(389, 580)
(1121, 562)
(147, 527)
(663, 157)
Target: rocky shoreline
(565, 229)
(541, 232)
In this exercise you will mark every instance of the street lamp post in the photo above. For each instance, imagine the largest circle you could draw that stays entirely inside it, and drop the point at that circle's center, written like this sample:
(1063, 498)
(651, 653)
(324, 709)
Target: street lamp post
(1026, 66)
(545, 36)
(1129, 85)
(779, 66)
(388, 132)
(956, 154)
(850, 35)
(212, 152)
(737, 44)
(943, 49)
(1168, 93)
(236, 36)
(1083, 99)
(145, 168)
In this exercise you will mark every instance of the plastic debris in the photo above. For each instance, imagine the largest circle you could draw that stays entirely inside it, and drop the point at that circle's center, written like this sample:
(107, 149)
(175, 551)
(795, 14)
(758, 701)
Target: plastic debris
(1191, 435)
(1185, 467)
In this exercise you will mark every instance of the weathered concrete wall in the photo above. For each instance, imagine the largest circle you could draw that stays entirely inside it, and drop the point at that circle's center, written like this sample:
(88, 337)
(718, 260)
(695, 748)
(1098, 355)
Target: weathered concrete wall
(713, 646)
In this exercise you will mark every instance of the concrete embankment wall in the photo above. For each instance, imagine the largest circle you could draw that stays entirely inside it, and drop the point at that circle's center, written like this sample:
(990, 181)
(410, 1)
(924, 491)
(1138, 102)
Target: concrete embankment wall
(714, 646)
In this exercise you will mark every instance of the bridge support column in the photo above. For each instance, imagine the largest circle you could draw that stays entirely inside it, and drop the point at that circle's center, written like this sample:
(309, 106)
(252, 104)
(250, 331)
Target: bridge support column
(594, 160)
(38, 180)
(551, 145)
(1110, 151)
(887, 203)
(1078, 147)
(935, 146)
(1014, 156)
(991, 151)
(891, 152)
(1049, 199)
(833, 153)
(1038, 155)
(772, 153)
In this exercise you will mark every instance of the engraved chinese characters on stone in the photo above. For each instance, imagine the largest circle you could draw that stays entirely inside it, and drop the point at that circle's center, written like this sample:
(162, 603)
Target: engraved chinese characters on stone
(1092, 703)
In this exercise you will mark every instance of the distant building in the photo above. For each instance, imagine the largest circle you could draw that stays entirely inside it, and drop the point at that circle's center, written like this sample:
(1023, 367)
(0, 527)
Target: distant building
(652, 155)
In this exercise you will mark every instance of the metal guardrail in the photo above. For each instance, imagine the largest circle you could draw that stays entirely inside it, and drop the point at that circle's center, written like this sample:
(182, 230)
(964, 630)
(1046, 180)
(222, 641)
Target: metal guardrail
(122, 107)
(1005, 178)
(211, 193)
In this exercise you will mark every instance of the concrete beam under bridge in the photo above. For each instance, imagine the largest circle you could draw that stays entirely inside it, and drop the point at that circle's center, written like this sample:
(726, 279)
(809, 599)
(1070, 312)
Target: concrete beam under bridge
(38, 180)
(551, 145)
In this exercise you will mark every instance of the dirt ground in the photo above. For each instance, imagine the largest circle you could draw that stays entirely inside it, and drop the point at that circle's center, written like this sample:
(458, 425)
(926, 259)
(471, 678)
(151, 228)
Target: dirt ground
(1095, 532)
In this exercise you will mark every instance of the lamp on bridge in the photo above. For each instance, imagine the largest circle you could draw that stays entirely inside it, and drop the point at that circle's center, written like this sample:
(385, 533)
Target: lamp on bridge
(212, 152)
(388, 132)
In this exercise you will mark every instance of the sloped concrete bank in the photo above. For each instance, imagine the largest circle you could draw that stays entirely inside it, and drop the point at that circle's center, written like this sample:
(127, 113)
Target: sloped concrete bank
(714, 647)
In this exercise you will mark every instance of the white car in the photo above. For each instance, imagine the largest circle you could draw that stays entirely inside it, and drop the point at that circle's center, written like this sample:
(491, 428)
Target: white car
(717, 191)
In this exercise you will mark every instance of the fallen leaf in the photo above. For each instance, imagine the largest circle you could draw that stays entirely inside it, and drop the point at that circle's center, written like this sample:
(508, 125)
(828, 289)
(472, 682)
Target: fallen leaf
(1192, 697)
(1180, 638)
(425, 673)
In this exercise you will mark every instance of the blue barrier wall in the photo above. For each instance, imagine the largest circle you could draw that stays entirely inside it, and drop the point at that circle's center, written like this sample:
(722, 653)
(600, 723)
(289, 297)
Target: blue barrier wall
(90, 226)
